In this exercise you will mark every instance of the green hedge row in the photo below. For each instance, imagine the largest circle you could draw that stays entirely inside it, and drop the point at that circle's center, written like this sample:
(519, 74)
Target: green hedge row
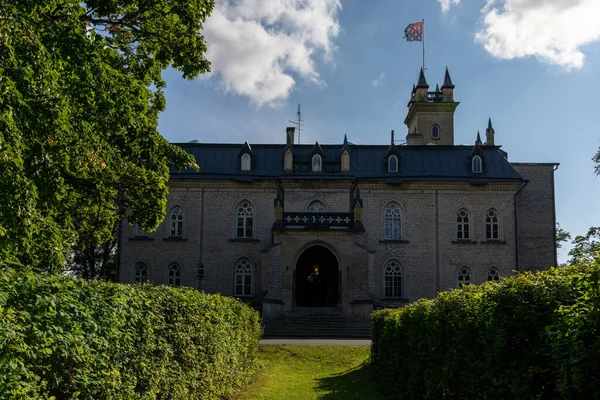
(529, 336)
(70, 339)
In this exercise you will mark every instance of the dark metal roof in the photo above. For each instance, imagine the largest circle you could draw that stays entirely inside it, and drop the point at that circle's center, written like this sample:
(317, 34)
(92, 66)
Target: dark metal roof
(367, 162)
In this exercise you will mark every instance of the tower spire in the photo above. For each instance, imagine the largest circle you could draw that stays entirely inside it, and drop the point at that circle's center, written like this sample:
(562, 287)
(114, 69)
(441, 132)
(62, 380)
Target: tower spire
(422, 83)
(489, 134)
(447, 81)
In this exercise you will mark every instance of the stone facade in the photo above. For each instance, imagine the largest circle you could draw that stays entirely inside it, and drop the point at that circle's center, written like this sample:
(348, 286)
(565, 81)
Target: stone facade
(403, 222)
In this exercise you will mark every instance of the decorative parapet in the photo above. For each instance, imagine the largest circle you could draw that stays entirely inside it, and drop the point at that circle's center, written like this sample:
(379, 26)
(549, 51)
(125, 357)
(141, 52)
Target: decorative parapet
(318, 220)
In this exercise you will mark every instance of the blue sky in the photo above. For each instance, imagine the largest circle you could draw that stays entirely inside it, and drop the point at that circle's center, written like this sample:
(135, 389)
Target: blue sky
(531, 65)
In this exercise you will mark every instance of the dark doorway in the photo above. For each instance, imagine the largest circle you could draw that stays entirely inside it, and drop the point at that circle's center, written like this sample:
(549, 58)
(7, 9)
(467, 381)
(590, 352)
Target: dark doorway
(317, 278)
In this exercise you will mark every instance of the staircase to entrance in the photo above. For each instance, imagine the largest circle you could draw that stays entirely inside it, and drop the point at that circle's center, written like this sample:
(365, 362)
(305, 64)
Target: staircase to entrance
(322, 322)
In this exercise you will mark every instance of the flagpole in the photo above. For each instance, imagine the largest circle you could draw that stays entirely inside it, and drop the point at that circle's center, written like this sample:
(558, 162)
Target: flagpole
(423, 33)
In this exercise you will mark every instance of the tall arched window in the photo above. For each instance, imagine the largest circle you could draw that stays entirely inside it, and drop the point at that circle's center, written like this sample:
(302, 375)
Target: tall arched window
(392, 222)
(492, 225)
(243, 277)
(316, 207)
(317, 163)
(174, 274)
(244, 220)
(463, 276)
(476, 164)
(392, 278)
(140, 273)
(462, 225)
(493, 275)
(176, 221)
(435, 132)
(392, 164)
(246, 162)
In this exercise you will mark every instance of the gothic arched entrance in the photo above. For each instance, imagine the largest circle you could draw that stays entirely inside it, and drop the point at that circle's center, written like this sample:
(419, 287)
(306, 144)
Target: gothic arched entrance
(317, 278)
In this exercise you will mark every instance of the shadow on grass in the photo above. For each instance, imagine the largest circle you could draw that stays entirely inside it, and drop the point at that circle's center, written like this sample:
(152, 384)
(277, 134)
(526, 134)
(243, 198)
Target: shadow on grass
(352, 384)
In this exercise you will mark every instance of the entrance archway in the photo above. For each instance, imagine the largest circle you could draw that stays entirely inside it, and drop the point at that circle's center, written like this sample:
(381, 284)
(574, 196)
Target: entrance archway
(317, 278)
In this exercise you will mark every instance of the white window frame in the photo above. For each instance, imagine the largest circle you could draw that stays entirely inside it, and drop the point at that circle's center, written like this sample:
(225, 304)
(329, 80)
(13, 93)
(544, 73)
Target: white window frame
(459, 226)
(393, 282)
(140, 272)
(244, 219)
(317, 163)
(175, 279)
(461, 276)
(476, 165)
(390, 158)
(489, 222)
(392, 215)
(246, 162)
(244, 270)
(176, 222)
(493, 274)
(138, 231)
(438, 131)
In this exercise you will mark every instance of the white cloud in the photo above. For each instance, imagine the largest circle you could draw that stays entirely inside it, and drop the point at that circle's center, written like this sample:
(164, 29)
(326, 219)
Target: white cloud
(446, 4)
(551, 30)
(256, 45)
(379, 79)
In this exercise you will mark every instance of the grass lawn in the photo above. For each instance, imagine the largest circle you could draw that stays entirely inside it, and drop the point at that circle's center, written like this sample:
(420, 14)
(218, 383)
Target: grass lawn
(312, 372)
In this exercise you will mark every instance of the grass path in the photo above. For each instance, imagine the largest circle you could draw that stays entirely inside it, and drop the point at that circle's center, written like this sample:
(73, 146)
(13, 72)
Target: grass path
(311, 372)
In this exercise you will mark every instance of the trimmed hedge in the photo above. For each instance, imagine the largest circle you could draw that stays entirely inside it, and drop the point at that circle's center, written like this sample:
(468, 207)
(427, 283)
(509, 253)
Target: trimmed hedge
(528, 336)
(67, 338)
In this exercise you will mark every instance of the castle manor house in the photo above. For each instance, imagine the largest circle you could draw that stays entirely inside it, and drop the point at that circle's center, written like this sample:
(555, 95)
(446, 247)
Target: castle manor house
(294, 227)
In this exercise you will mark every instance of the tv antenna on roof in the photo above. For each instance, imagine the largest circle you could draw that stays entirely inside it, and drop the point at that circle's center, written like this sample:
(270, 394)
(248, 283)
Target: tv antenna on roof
(298, 123)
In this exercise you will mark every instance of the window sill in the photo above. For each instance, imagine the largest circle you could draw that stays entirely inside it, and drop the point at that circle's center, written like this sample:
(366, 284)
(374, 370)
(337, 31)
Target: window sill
(141, 239)
(244, 240)
(464, 242)
(399, 241)
(493, 242)
(175, 239)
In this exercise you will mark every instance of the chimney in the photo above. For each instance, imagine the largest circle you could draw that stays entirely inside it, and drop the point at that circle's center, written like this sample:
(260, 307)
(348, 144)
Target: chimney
(289, 135)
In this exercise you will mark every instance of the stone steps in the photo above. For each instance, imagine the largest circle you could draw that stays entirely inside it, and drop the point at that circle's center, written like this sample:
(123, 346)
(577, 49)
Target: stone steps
(323, 325)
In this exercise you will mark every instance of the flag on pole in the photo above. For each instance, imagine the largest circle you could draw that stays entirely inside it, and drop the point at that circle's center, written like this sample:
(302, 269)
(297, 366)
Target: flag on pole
(414, 32)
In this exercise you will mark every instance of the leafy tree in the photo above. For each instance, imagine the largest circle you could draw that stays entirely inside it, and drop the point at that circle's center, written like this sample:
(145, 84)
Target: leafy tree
(561, 236)
(586, 247)
(80, 94)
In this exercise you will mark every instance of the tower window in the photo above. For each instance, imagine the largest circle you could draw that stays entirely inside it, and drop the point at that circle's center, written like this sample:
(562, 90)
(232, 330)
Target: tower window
(435, 132)
(317, 163)
(245, 162)
(476, 165)
(393, 164)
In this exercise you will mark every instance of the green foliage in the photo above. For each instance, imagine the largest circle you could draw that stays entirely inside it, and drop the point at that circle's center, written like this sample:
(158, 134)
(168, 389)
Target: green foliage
(561, 236)
(80, 94)
(585, 247)
(528, 336)
(68, 338)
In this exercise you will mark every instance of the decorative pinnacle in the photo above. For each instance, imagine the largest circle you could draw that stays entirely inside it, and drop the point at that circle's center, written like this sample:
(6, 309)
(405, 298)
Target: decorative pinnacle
(447, 81)
(478, 141)
(345, 141)
(392, 137)
(422, 83)
(489, 128)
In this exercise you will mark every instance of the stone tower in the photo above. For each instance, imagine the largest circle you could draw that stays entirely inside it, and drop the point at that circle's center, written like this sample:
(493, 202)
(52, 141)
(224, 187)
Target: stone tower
(430, 118)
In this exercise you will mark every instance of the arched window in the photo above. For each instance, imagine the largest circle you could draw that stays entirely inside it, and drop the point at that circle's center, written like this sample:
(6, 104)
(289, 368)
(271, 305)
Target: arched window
(463, 276)
(392, 222)
(246, 162)
(493, 275)
(317, 163)
(174, 274)
(393, 164)
(462, 225)
(392, 277)
(316, 207)
(176, 220)
(244, 217)
(140, 273)
(435, 132)
(138, 231)
(492, 225)
(243, 277)
(476, 164)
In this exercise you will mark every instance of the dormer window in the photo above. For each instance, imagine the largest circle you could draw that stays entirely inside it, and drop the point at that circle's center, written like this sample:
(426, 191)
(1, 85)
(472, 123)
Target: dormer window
(393, 164)
(245, 162)
(317, 163)
(435, 132)
(476, 165)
